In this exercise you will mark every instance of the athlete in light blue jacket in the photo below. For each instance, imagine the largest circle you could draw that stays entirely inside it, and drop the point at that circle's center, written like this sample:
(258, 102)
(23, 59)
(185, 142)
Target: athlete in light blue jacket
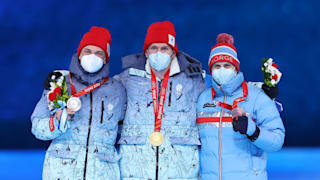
(234, 147)
(174, 156)
(85, 150)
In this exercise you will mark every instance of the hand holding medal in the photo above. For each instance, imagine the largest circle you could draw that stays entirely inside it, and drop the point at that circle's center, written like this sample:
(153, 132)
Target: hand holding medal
(74, 102)
(60, 102)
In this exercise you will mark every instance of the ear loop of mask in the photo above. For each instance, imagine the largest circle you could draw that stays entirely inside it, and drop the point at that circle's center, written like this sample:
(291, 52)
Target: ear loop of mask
(171, 56)
(148, 52)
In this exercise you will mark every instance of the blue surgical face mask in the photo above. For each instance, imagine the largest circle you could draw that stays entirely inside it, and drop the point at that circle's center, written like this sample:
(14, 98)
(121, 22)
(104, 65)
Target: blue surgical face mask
(91, 63)
(159, 61)
(222, 75)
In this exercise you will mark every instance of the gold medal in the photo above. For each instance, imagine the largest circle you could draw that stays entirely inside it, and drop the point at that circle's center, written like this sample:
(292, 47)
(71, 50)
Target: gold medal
(156, 138)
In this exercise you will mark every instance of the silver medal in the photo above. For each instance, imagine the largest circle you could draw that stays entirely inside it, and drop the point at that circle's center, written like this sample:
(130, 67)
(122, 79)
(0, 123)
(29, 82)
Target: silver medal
(74, 103)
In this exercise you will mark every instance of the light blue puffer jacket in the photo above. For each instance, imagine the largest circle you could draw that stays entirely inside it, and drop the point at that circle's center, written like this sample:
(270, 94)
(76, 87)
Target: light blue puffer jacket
(241, 158)
(86, 150)
(178, 157)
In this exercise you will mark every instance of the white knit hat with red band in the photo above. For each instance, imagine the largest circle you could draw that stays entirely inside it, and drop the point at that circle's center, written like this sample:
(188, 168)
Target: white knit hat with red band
(224, 51)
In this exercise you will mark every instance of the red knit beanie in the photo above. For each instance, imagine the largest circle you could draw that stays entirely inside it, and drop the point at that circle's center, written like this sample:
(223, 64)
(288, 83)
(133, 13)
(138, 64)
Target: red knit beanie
(97, 36)
(224, 51)
(161, 32)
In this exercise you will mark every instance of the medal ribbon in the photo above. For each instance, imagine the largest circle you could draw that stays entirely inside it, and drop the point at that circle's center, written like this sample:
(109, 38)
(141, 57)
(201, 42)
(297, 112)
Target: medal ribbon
(235, 102)
(87, 89)
(158, 107)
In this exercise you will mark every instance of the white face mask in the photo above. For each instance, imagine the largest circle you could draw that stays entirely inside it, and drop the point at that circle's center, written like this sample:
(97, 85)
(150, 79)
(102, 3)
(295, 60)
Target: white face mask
(159, 61)
(91, 63)
(223, 76)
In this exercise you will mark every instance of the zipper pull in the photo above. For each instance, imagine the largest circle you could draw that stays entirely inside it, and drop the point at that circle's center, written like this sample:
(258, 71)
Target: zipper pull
(170, 91)
(102, 110)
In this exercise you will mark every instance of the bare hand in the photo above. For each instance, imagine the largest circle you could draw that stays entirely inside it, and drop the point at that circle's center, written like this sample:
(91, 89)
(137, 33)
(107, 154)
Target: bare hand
(58, 114)
(70, 111)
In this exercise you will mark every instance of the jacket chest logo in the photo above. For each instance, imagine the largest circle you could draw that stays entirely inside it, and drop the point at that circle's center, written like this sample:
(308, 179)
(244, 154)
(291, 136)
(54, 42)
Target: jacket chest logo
(110, 107)
(179, 88)
(208, 105)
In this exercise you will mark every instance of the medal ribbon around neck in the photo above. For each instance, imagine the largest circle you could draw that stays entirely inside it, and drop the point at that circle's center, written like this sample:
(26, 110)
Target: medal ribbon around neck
(87, 89)
(158, 107)
(235, 102)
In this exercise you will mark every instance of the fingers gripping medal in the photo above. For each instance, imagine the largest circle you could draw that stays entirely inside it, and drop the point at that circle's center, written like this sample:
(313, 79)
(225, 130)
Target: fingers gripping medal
(156, 138)
(74, 102)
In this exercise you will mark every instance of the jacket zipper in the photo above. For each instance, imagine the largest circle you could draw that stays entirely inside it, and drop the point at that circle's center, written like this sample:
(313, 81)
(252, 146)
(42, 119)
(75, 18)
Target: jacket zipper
(220, 143)
(170, 91)
(157, 148)
(88, 137)
(102, 110)
(157, 161)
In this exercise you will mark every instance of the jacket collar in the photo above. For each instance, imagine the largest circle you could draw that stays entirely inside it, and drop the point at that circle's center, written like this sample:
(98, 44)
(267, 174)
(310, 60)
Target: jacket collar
(230, 87)
(84, 77)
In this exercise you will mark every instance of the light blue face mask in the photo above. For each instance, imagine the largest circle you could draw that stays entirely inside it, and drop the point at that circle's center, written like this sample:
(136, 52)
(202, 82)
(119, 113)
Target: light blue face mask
(223, 76)
(159, 61)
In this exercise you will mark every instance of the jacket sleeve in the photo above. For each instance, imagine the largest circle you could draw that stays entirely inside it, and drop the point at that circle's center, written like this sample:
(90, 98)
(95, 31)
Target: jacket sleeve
(123, 101)
(199, 86)
(268, 120)
(122, 78)
(44, 126)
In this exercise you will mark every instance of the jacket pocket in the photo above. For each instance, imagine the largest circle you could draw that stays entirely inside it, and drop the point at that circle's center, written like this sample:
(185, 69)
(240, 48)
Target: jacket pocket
(184, 158)
(102, 110)
(108, 157)
(109, 112)
(185, 141)
(64, 151)
(170, 92)
(179, 97)
(132, 140)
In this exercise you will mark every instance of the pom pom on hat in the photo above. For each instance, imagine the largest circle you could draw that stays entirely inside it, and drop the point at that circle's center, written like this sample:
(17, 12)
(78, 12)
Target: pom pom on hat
(225, 38)
(224, 51)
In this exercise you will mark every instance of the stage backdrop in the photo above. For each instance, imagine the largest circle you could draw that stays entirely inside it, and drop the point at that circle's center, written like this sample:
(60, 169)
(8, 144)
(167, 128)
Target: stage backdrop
(37, 37)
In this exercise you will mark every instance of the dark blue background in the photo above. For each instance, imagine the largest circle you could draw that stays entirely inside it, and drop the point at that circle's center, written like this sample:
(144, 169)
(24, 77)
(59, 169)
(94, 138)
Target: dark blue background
(37, 37)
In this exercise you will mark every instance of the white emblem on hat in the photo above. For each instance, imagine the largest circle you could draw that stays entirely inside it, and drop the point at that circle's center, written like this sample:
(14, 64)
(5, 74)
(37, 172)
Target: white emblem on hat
(108, 49)
(171, 40)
